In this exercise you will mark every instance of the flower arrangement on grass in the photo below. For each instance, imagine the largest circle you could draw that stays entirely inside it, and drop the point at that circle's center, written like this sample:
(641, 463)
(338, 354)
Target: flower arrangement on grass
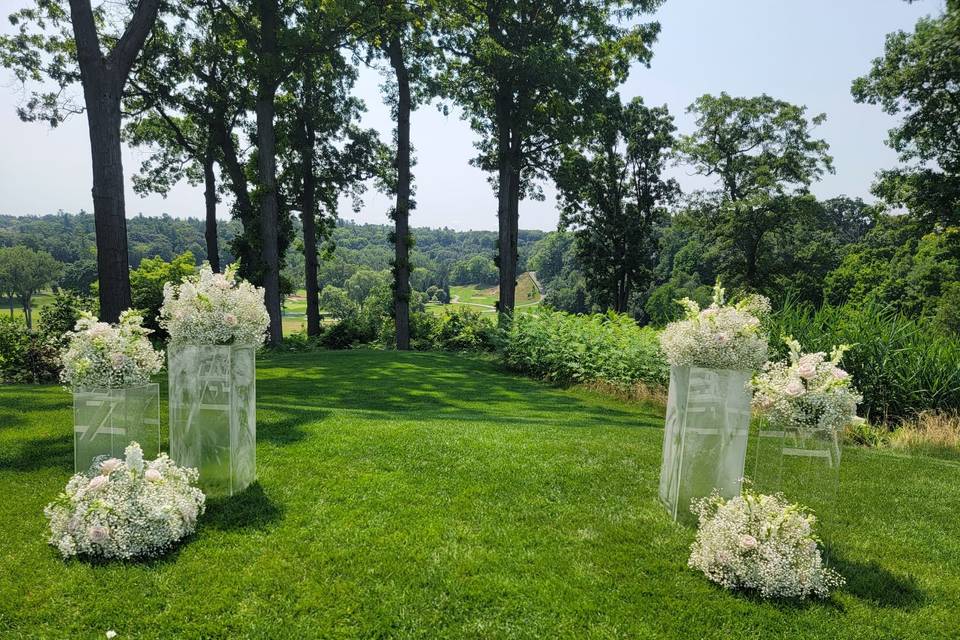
(214, 308)
(104, 356)
(761, 543)
(722, 336)
(126, 508)
(808, 391)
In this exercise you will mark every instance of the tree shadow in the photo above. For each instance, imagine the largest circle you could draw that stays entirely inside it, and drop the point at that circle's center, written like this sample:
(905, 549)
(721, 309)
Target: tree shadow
(880, 587)
(250, 509)
(40, 453)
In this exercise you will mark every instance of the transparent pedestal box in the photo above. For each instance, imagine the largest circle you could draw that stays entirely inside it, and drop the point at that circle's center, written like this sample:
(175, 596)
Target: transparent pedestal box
(705, 439)
(213, 410)
(801, 463)
(106, 421)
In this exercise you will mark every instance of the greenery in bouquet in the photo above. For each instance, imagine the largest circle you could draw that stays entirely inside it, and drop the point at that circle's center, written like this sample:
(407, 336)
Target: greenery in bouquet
(214, 308)
(125, 509)
(721, 336)
(761, 543)
(808, 391)
(100, 355)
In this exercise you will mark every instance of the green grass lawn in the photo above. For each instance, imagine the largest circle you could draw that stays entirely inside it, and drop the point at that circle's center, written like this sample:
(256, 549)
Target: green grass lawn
(39, 301)
(427, 495)
(484, 299)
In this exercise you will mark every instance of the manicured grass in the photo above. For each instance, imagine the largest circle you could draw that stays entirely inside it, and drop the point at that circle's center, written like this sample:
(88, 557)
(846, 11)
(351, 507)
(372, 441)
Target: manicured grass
(39, 301)
(428, 495)
(484, 299)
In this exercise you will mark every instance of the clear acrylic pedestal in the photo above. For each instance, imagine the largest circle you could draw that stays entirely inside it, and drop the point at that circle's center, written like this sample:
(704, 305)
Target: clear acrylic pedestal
(705, 439)
(213, 411)
(801, 463)
(106, 421)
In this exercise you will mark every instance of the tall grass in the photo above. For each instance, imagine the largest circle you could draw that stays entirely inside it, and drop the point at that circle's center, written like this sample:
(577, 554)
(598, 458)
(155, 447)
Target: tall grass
(902, 366)
(565, 348)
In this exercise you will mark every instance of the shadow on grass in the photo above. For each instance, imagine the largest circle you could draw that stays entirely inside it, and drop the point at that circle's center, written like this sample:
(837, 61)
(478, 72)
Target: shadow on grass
(251, 509)
(871, 582)
(40, 453)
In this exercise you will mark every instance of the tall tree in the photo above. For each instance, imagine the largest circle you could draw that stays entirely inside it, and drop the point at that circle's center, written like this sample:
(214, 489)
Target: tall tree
(612, 192)
(65, 55)
(918, 77)
(761, 152)
(27, 271)
(528, 74)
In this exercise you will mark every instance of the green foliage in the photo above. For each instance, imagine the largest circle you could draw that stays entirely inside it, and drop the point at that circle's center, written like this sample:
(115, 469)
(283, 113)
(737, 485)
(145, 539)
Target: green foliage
(61, 315)
(23, 272)
(147, 280)
(478, 269)
(948, 309)
(26, 356)
(902, 366)
(453, 330)
(566, 348)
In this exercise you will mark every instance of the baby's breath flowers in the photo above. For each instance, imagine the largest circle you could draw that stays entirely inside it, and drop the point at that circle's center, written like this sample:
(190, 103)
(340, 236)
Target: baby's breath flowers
(808, 392)
(721, 336)
(105, 356)
(214, 308)
(761, 543)
(125, 508)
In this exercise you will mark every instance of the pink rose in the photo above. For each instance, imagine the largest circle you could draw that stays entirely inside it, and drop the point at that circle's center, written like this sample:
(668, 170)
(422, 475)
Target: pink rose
(117, 360)
(806, 370)
(839, 374)
(794, 388)
(152, 475)
(97, 482)
(109, 466)
(748, 542)
(230, 320)
(98, 534)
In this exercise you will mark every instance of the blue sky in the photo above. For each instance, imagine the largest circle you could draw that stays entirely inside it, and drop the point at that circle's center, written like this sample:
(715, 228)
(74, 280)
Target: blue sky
(804, 52)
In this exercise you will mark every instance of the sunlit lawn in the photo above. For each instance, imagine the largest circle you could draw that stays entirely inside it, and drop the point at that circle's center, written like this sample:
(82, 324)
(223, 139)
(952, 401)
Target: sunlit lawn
(428, 495)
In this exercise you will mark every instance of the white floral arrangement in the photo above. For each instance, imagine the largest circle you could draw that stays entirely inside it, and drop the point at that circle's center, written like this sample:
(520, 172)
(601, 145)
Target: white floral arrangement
(109, 356)
(214, 308)
(761, 543)
(125, 509)
(808, 391)
(722, 336)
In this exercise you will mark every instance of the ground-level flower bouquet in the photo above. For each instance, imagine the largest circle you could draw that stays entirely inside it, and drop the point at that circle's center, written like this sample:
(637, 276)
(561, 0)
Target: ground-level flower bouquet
(722, 336)
(105, 356)
(214, 309)
(761, 543)
(125, 509)
(807, 393)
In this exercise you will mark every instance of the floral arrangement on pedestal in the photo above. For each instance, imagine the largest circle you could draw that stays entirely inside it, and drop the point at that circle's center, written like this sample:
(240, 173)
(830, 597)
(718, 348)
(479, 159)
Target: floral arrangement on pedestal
(721, 336)
(125, 509)
(761, 543)
(105, 356)
(214, 308)
(808, 392)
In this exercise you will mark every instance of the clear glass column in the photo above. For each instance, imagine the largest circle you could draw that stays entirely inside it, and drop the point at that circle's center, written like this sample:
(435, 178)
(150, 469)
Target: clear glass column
(213, 412)
(105, 421)
(705, 439)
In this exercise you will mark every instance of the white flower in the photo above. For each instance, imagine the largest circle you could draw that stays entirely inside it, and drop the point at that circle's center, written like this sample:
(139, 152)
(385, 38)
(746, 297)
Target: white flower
(153, 475)
(111, 634)
(109, 466)
(839, 374)
(229, 319)
(98, 534)
(97, 482)
(134, 457)
(103, 356)
(748, 542)
(806, 370)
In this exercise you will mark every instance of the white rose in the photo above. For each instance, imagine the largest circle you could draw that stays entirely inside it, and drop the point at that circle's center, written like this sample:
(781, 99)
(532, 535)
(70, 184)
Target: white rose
(794, 388)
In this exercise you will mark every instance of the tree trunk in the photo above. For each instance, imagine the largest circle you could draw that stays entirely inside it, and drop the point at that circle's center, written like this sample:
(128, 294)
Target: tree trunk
(308, 207)
(27, 312)
(109, 212)
(231, 162)
(267, 165)
(210, 200)
(401, 215)
(506, 248)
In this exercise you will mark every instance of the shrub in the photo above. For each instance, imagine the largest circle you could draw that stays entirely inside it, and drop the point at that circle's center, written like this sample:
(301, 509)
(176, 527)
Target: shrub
(59, 317)
(902, 366)
(26, 356)
(566, 348)
(457, 330)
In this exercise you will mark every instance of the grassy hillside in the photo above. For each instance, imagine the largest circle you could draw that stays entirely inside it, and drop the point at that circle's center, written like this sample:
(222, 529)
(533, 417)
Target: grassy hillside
(484, 299)
(426, 495)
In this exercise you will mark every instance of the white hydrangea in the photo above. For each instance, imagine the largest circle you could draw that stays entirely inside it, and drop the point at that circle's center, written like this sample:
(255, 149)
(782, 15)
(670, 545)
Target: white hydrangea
(808, 392)
(125, 508)
(720, 336)
(214, 308)
(104, 356)
(761, 543)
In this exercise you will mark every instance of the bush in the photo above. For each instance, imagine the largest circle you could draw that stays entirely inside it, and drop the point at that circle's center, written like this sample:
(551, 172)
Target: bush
(26, 356)
(460, 330)
(900, 365)
(60, 316)
(566, 348)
